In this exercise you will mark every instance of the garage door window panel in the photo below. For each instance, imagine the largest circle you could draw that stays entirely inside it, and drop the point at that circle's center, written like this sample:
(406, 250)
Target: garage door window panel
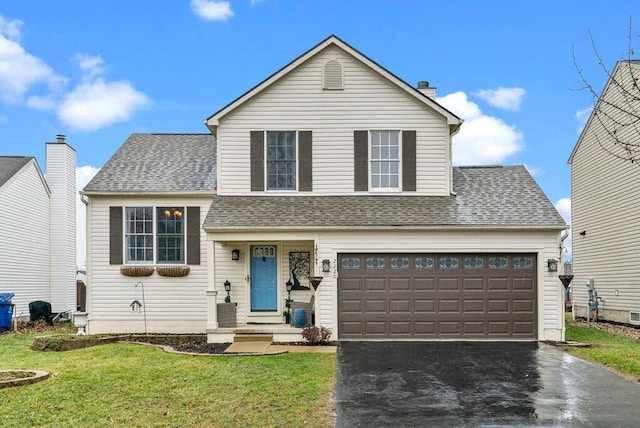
(448, 262)
(423, 262)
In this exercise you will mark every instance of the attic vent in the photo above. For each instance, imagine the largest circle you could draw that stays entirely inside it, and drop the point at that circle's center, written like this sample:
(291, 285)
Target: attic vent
(333, 75)
(634, 317)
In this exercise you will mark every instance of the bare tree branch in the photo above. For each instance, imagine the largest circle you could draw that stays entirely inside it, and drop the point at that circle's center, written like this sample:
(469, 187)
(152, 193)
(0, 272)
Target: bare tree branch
(615, 119)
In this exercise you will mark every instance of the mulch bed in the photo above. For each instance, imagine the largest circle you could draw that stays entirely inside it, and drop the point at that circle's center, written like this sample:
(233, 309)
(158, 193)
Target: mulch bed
(184, 343)
(622, 330)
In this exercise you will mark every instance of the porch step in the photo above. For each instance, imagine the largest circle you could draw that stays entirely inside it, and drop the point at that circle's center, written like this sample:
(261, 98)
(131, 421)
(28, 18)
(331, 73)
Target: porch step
(253, 337)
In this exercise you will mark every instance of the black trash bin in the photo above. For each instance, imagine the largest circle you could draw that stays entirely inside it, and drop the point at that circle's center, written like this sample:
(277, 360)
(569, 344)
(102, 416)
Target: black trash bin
(6, 311)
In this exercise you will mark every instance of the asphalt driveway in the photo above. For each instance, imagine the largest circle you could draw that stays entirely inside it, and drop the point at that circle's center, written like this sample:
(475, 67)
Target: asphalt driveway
(452, 384)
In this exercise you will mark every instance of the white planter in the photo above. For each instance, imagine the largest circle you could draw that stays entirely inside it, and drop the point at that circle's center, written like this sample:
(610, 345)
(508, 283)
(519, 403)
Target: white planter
(80, 321)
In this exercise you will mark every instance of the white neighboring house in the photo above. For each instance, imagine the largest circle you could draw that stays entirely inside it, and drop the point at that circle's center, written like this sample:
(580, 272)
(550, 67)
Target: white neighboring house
(331, 167)
(38, 250)
(605, 199)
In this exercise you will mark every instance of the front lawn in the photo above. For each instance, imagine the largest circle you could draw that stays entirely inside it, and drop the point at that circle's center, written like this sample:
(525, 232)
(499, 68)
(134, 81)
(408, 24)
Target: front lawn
(615, 351)
(124, 384)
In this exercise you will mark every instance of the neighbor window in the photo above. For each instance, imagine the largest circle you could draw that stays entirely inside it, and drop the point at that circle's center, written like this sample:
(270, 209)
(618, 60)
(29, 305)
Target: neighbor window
(281, 160)
(160, 239)
(384, 155)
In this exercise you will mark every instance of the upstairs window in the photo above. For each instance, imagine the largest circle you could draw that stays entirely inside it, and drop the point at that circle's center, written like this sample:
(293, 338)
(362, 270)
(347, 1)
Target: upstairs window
(281, 160)
(384, 158)
(160, 239)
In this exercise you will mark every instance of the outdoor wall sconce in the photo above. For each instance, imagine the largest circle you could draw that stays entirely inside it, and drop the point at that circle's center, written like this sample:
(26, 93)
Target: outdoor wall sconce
(553, 265)
(235, 255)
(227, 288)
(326, 265)
(583, 233)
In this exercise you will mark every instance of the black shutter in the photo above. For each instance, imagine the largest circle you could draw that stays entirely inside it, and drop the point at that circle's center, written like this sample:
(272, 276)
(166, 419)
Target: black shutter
(305, 161)
(361, 160)
(409, 161)
(193, 235)
(257, 161)
(115, 235)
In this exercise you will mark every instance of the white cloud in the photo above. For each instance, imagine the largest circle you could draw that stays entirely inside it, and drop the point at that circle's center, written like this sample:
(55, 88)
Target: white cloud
(212, 10)
(19, 70)
(534, 171)
(91, 66)
(564, 208)
(83, 175)
(506, 98)
(482, 140)
(582, 116)
(95, 105)
(48, 102)
(10, 29)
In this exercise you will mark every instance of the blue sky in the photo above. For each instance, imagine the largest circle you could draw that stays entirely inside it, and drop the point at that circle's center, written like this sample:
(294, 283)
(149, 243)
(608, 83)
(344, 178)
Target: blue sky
(100, 70)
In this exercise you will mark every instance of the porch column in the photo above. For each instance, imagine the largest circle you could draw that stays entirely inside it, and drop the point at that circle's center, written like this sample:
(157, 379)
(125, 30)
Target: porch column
(212, 309)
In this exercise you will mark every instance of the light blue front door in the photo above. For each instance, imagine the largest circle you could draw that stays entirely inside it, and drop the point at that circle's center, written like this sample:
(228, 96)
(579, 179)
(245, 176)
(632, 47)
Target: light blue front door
(264, 278)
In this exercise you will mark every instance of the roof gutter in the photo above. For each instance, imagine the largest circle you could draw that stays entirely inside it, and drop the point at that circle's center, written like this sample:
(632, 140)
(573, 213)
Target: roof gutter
(384, 227)
(149, 194)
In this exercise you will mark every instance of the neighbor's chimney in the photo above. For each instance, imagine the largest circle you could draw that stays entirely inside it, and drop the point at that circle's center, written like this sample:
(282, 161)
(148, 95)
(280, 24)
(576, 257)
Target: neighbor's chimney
(423, 86)
(61, 179)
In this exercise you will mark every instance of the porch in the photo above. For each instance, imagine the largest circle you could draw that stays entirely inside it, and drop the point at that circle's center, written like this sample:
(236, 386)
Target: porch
(266, 279)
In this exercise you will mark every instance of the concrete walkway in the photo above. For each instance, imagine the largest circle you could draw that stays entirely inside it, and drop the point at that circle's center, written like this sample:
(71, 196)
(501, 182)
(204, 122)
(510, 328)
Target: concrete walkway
(269, 348)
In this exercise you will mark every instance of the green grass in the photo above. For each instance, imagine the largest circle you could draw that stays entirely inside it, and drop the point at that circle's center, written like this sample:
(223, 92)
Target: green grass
(617, 352)
(130, 385)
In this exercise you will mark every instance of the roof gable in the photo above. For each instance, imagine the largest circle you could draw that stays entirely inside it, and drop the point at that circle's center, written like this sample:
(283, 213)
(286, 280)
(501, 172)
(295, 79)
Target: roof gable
(11, 166)
(212, 121)
(592, 117)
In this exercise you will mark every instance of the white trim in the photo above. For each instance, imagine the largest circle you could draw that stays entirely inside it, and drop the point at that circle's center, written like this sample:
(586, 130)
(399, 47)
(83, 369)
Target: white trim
(154, 262)
(265, 160)
(370, 163)
(262, 316)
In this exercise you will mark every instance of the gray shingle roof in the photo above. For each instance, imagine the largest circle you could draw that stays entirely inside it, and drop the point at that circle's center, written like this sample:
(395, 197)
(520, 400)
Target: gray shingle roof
(9, 165)
(485, 196)
(166, 163)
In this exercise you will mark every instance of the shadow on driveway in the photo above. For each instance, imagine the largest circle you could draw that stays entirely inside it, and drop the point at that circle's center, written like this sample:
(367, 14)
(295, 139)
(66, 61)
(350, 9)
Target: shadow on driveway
(477, 384)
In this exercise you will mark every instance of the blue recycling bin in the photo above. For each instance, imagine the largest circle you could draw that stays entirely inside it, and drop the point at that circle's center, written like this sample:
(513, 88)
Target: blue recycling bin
(6, 311)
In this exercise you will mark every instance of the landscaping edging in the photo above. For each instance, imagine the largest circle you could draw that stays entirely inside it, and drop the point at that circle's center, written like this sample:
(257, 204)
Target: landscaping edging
(69, 343)
(37, 376)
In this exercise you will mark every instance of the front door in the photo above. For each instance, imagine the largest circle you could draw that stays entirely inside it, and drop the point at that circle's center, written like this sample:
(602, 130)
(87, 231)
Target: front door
(264, 278)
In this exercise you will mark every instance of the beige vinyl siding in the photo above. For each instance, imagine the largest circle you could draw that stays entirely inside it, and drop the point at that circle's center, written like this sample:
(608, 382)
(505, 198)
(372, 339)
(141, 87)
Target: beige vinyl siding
(173, 305)
(61, 173)
(237, 273)
(24, 248)
(605, 203)
(298, 102)
(544, 243)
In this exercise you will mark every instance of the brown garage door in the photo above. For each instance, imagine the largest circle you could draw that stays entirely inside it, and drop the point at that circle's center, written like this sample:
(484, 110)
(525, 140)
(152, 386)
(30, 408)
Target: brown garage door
(432, 296)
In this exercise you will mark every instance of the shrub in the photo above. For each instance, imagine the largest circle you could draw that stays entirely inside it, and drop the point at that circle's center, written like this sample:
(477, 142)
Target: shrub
(316, 335)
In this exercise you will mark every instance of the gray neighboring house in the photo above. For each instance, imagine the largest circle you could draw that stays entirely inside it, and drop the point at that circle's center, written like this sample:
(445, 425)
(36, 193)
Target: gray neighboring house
(307, 178)
(605, 199)
(38, 239)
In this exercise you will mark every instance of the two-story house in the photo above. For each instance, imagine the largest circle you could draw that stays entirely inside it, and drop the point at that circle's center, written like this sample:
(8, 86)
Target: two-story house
(331, 167)
(605, 197)
(38, 229)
